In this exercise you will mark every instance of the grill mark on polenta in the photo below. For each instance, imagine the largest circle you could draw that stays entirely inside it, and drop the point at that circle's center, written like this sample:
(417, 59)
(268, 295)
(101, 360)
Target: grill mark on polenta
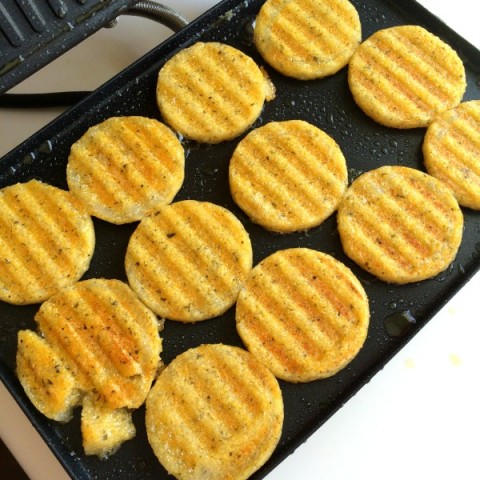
(203, 392)
(128, 319)
(402, 42)
(67, 222)
(275, 340)
(407, 235)
(189, 438)
(184, 286)
(227, 98)
(336, 299)
(104, 324)
(66, 340)
(36, 373)
(451, 149)
(37, 263)
(457, 158)
(15, 271)
(290, 178)
(464, 139)
(303, 327)
(140, 143)
(369, 249)
(233, 83)
(76, 344)
(281, 192)
(385, 101)
(55, 233)
(303, 322)
(297, 41)
(458, 153)
(200, 246)
(200, 393)
(97, 158)
(303, 35)
(217, 233)
(109, 179)
(243, 398)
(184, 107)
(397, 201)
(407, 94)
(316, 162)
(416, 64)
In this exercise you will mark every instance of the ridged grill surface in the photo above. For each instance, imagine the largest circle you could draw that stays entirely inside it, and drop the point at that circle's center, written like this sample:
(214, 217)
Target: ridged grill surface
(452, 151)
(189, 261)
(125, 168)
(211, 92)
(403, 76)
(303, 314)
(35, 32)
(307, 39)
(215, 412)
(288, 176)
(400, 224)
(46, 241)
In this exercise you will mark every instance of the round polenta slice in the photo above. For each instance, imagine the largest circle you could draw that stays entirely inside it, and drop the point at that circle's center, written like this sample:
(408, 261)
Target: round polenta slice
(400, 224)
(211, 92)
(215, 412)
(47, 240)
(303, 314)
(288, 176)
(125, 168)
(188, 261)
(451, 150)
(97, 346)
(307, 39)
(404, 75)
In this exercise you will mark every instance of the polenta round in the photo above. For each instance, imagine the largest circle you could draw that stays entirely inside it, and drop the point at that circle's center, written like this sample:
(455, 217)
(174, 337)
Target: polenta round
(215, 412)
(211, 92)
(124, 168)
(47, 240)
(403, 76)
(288, 176)
(307, 39)
(189, 260)
(400, 224)
(303, 314)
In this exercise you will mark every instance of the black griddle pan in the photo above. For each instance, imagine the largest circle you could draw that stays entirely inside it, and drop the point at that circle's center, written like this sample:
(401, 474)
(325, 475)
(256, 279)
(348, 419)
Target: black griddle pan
(397, 312)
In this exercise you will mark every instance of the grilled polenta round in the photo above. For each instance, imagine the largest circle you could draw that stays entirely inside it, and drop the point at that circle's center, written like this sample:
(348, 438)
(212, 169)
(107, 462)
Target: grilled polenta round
(46, 241)
(288, 176)
(98, 346)
(215, 412)
(125, 168)
(451, 150)
(188, 261)
(404, 75)
(400, 224)
(303, 314)
(211, 92)
(307, 39)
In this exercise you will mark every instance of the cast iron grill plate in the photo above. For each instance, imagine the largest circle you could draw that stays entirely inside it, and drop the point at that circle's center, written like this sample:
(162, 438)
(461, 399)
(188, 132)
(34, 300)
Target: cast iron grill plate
(35, 32)
(326, 103)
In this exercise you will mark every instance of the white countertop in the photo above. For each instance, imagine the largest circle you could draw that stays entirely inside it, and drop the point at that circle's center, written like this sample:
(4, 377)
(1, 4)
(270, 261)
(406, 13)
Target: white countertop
(418, 419)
